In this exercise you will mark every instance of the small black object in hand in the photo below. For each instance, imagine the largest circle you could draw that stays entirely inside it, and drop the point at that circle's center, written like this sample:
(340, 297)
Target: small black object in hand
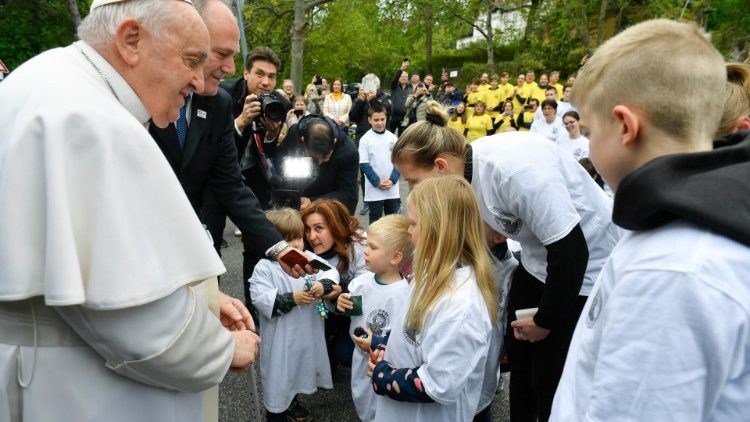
(360, 332)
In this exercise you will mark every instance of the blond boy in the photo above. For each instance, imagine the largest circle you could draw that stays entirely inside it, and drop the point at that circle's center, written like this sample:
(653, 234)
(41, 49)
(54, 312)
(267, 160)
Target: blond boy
(665, 333)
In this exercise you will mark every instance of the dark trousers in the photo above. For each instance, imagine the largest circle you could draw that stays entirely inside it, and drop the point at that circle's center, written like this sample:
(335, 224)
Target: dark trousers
(535, 368)
(390, 206)
(394, 122)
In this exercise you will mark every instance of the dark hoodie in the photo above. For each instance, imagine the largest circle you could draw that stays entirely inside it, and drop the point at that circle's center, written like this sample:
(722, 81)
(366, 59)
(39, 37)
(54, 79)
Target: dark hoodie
(709, 189)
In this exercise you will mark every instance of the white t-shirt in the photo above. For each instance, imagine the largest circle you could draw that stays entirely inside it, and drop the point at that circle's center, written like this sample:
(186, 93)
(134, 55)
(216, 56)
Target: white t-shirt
(379, 303)
(502, 273)
(532, 192)
(549, 130)
(375, 148)
(578, 148)
(293, 356)
(451, 351)
(665, 334)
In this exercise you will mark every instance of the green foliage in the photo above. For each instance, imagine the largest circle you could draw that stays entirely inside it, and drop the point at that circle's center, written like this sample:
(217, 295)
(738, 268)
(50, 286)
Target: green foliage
(32, 26)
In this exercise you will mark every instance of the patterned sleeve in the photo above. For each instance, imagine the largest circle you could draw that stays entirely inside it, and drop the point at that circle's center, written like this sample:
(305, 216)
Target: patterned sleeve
(399, 384)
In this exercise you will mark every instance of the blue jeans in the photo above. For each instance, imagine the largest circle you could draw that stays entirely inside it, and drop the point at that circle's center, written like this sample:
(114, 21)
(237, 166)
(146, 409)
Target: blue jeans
(391, 206)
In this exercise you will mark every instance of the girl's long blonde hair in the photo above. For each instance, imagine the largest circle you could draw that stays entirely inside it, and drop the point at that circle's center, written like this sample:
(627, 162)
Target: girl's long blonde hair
(451, 233)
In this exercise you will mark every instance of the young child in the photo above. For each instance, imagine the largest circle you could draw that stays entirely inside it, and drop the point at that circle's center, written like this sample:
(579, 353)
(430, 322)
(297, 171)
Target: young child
(665, 333)
(383, 291)
(433, 366)
(381, 189)
(293, 351)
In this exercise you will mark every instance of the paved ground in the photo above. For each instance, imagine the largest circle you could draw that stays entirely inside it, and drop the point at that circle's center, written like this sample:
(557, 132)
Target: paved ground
(334, 405)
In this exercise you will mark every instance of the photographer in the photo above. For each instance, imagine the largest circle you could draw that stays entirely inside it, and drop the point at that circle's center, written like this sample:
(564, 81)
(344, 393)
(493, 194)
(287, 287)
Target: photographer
(257, 134)
(335, 162)
(400, 90)
(416, 105)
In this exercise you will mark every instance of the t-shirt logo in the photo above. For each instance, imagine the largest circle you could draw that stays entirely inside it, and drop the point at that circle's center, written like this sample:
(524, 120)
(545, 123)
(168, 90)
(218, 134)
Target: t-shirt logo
(411, 335)
(511, 224)
(377, 321)
(595, 309)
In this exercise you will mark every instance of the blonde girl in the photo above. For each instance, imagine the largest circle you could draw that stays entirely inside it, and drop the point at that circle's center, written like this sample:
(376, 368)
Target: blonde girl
(433, 367)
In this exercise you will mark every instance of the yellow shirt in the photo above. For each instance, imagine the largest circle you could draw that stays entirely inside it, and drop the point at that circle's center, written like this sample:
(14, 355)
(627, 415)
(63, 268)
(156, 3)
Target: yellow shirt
(507, 121)
(524, 92)
(528, 117)
(472, 99)
(507, 90)
(457, 124)
(536, 92)
(493, 98)
(484, 87)
(478, 126)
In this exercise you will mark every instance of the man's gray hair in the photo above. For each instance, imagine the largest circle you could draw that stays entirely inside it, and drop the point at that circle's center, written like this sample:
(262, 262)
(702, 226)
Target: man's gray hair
(200, 5)
(100, 26)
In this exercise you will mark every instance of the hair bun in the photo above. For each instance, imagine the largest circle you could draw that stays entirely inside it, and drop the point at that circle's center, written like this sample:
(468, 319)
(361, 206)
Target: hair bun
(435, 119)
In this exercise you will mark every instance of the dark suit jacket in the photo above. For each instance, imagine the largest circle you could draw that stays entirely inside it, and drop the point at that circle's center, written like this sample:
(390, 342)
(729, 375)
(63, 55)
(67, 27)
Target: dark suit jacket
(209, 162)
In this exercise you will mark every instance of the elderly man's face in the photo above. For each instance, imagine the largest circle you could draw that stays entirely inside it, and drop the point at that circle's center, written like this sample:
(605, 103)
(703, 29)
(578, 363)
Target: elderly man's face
(171, 67)
(224, 35)
(288, 88)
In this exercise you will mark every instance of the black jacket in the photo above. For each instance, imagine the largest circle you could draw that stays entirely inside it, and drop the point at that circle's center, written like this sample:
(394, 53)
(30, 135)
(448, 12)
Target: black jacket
(710, 189)
(237, 88)
(399, 95)
(208, 162)
(335, 179)
(360, 110)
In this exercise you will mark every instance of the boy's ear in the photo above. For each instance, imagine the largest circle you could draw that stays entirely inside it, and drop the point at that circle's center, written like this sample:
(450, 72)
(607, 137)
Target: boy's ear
(441, 164)
(742, 123)
(631, 123)
(397, 257)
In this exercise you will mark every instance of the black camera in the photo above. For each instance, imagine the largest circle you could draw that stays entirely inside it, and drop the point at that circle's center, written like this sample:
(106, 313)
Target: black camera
(528, 107)
(318, 80)
(271, 108)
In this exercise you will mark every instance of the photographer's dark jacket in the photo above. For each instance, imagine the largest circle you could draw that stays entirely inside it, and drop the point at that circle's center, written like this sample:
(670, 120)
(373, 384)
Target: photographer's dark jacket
(335, 179)
(237, 88)
(399, 95)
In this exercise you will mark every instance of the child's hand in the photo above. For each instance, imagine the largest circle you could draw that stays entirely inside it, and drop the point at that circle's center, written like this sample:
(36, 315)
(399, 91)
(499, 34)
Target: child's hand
(343, 303)
(334, 293)
(375, 358)
(363, 343)
(385, 184)
(302, 297)
(316, 290)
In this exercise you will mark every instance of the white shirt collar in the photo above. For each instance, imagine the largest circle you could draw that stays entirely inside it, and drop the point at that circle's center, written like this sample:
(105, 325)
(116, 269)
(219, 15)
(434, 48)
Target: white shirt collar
(127, 96)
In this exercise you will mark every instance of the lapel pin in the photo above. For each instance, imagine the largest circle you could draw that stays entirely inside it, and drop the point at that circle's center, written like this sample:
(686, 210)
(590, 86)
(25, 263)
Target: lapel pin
(201, 114)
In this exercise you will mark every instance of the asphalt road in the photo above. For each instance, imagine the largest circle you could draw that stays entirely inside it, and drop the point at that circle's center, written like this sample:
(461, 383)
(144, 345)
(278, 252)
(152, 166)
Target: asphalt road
(236, 395)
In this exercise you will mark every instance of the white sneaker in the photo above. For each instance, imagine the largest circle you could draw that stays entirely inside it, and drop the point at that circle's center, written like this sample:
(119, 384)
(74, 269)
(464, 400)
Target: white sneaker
(237, 232)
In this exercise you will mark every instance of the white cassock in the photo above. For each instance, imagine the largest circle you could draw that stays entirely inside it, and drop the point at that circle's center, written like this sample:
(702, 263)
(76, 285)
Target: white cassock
(100, 256)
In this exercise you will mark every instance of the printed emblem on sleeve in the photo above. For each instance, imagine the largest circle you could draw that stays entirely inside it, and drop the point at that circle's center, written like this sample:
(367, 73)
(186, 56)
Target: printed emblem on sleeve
(511, 224)
(377, 322)
(595, 309)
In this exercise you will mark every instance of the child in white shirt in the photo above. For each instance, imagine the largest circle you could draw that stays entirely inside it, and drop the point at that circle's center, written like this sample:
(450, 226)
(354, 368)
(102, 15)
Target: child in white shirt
(381, 186)
(293, 357)
(383, 292)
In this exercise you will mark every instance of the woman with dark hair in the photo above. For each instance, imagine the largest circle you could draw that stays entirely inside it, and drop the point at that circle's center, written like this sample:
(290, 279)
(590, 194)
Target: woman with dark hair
(458, 118)
(332, 233)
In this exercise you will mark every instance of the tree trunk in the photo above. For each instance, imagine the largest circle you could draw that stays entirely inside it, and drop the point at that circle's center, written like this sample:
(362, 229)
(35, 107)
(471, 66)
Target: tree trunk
(490, 36)
(600, 25)
(298, 44)
(428, 21)
(73, 7)
(531, 20)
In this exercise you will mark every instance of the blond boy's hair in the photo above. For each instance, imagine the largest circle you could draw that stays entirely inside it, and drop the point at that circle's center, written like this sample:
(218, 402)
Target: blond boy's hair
(393, 231)
(737, 97)
(668, 69)
(288, 222)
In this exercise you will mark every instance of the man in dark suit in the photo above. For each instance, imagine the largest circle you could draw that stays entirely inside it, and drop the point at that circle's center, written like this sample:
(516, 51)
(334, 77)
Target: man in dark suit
(204, 156)
(256, 136)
